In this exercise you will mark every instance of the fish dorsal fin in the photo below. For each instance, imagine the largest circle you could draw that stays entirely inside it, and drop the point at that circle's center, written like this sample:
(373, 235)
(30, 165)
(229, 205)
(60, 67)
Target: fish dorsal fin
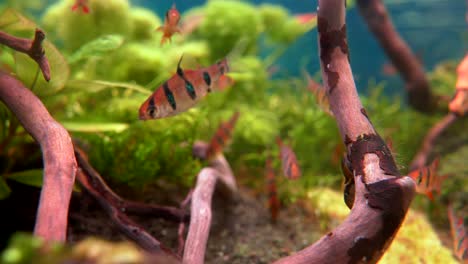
(180, 72)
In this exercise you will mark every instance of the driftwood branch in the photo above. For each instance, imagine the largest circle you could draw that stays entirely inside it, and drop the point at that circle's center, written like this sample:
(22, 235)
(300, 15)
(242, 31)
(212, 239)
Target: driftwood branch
(219, 175)
(458, 108)
(382, 196)
(93, 184)
(404, 60)
(33, 48)
(421, 158)
(57, 151)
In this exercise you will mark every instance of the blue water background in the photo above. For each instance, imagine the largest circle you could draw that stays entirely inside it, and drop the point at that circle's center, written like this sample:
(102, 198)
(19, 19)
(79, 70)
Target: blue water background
(435, 30)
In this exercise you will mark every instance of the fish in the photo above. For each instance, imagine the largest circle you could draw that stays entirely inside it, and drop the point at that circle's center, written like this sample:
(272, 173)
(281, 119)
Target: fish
(273, 201)
(222, 136)
(427, 180)
(320, 94)
(459, 235)
(306, 18)
(81, 5)
(182, 91)
(224, 82)
(171, 24)
(289, 162)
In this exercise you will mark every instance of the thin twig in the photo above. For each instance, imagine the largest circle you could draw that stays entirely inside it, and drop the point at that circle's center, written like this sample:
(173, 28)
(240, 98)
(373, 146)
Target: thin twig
(88, 178)
(98, 186)
(181, 230)
(33, 48)
(421, 158)
(58, 157)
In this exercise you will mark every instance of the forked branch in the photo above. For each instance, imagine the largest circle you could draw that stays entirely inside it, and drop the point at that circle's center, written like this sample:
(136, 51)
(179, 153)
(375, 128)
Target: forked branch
(33, 48)
(57, 152)
(382, 196)
(219, 175)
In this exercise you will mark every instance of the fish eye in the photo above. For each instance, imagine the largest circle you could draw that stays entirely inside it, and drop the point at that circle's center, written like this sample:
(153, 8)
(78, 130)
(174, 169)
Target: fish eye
(152, 111)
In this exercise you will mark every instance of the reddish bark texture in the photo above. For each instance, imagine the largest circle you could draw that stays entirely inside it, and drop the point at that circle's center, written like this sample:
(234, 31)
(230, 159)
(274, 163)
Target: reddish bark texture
(382, 196)
(411, 70)
(57, 152)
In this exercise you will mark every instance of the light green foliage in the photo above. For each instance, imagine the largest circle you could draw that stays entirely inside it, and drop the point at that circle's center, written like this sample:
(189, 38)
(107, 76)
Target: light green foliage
(279, 26)
(24, 248)
(4, 189)
(76, 28)
(226, 23)
(97, 47)
(144, 23)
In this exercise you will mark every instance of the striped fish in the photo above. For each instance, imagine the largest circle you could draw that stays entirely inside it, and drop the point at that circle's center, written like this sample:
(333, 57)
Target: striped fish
(427, 180)
(320, 94)
(288, 161)
(222, 136)
(182, 91)
(273, 201)
(459, 234)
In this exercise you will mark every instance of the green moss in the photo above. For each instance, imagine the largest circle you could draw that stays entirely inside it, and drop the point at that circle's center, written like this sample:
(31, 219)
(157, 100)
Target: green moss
(228, 22)
(76, 28)
(144, 22)
(279, 26)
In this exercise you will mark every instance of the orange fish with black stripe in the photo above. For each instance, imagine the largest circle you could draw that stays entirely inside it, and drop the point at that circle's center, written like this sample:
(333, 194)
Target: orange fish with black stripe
(459, 234)
(222, 136)
(320, 94)
(288, 161)
(273, 201)
(427, 180)
(171, 24)
(182, 91)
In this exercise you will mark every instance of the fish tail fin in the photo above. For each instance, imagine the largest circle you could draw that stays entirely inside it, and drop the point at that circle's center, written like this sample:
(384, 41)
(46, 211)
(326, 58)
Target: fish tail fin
(430, 195)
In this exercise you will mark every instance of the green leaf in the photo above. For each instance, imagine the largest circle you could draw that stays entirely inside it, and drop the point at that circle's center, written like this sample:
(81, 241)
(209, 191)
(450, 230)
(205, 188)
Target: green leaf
(27, 70)
(97, 86)
(94, 127)
(4, 189)
(31, 178)
(28, 177)
(97, 47)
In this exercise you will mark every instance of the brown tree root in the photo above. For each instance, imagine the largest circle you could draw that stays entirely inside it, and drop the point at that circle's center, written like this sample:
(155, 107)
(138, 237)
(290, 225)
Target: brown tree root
(380, 24)
(113, 205)
(382, 196)
(421, 158)
(33, 48)
(57, 151)
(217, 175)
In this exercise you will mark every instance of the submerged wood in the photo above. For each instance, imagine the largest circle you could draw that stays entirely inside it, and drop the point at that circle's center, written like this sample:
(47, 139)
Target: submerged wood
(114, 207)
(400, 54)
(382, 196)
(57, 153)
(218, 175)
(33, 48)
(421, 158)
